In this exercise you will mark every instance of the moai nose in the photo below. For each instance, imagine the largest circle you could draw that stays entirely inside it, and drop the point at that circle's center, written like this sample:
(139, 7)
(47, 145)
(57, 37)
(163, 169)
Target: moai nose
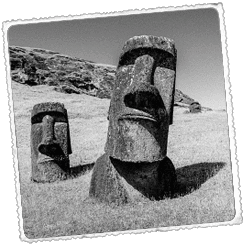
(48, 145)
(143, 69)
(141, 93)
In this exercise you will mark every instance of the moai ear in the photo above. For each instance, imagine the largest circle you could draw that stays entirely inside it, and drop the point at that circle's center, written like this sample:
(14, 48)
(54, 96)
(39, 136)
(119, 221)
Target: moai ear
(69, 139)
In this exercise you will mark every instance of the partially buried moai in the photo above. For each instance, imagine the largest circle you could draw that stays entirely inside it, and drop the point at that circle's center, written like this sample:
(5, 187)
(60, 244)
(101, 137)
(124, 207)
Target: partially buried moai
(140, 113)
(50, 142)
(195, 107)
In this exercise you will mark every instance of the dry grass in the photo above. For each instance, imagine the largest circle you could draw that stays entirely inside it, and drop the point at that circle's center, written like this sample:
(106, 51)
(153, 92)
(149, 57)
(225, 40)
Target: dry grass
(198, 147)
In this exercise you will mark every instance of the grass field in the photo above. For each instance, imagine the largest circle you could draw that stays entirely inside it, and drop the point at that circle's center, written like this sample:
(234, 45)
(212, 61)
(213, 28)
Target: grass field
(198, 146)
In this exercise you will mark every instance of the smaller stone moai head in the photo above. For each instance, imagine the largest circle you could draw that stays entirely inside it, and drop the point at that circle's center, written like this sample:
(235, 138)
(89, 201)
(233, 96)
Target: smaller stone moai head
(195, 107)
(141, 108)
(50, 142)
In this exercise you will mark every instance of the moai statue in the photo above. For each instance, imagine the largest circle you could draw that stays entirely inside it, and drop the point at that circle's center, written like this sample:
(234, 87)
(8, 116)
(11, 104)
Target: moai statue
(195, 107)
(50, 142)
(140, 112)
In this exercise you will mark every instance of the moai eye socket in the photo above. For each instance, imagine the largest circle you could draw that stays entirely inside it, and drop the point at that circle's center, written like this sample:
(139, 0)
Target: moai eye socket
(53, 109)
(129, 57)
(58, 117)
(161, 57)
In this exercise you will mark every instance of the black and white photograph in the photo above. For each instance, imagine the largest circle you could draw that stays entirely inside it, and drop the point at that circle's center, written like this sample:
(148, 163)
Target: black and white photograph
(122, 122)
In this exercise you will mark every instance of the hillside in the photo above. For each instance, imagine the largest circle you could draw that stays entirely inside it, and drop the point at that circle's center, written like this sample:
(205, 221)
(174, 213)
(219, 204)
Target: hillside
(67, 74)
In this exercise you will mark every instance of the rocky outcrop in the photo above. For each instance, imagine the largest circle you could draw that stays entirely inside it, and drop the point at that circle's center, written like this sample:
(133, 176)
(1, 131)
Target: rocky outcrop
(182, 98)
(33, 66)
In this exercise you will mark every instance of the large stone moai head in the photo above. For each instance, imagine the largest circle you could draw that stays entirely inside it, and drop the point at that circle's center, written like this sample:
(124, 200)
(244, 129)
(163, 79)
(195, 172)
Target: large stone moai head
(50, 142)
(141, 107)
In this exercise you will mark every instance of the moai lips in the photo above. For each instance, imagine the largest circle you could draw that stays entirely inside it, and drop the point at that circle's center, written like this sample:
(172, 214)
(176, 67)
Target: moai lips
(140, 112)
(50, 142)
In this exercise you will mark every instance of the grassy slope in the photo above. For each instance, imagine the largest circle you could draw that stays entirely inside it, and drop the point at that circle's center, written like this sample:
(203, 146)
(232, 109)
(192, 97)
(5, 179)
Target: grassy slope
(198, 147)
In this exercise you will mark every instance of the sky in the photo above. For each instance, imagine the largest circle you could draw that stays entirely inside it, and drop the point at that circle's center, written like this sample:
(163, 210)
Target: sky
(196, 33)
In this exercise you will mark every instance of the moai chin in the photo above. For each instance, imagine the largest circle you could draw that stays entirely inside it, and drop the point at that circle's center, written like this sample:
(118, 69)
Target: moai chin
(140, 113)
(50, 142)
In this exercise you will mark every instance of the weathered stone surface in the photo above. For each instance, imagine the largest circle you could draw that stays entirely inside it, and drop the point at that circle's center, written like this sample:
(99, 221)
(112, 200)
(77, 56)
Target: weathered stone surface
(33, 66)
(195, 107)
(106, 184)
(140, 112)
(50, 142)
(150, 42)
